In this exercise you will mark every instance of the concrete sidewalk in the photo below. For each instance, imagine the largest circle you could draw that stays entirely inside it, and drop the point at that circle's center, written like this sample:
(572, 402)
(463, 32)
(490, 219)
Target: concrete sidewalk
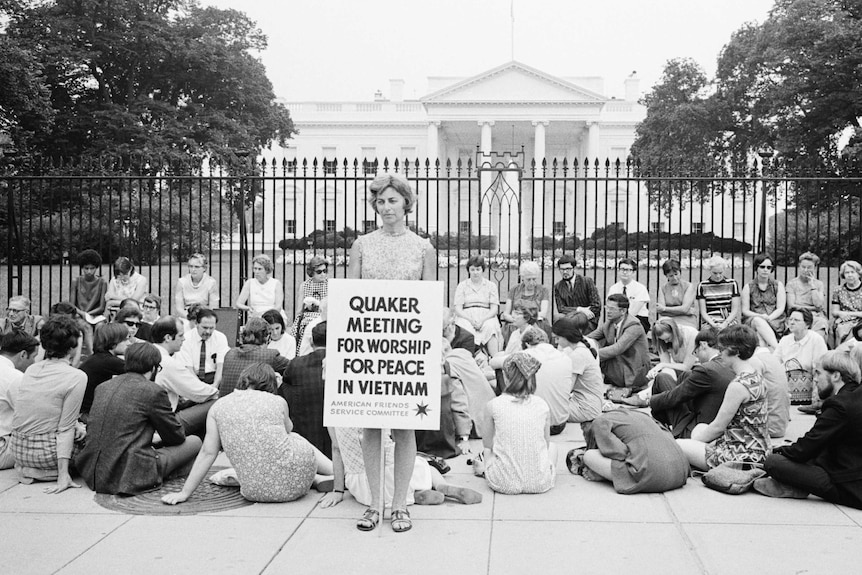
(579, 527)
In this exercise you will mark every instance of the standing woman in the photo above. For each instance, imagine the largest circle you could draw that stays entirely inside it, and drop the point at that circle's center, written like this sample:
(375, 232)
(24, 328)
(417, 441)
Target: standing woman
(477, 301)
(847, 301)
(261, 292)
(312, 291)
(676, 298)
(392, 252)
(763, 301)
(197, 287)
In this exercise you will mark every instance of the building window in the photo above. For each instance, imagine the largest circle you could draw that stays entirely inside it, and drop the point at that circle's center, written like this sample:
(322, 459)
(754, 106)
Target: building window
(330, 164)
(464, 228)
(369, 226)
(559, 228)
(329, 226)
(290, 157)
(657, 227)
(290, 226)
(369, 167)
(697, 227)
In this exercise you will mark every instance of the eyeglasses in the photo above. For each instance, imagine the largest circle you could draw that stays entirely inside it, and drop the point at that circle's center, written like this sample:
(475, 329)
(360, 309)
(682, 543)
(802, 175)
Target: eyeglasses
(765, 267)
(131, 323)
(321, 270)
(13, 310)
(149, 306)
(564, 270)
(626, 269)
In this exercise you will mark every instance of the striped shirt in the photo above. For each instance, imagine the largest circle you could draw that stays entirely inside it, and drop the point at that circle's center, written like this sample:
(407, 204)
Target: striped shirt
(718, 295)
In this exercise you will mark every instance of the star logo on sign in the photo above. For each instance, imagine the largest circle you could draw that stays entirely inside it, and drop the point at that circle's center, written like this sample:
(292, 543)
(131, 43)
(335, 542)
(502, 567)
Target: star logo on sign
(421, 409)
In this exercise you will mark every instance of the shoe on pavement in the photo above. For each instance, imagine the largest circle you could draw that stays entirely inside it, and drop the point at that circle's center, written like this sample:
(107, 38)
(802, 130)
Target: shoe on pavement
(772, 488)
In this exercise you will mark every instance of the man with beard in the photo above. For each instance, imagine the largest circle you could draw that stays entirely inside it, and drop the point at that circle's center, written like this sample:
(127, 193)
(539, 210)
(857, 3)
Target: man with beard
(826, 461)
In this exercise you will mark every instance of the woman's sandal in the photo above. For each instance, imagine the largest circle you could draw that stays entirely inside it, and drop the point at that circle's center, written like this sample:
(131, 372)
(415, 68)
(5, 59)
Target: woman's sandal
(400, 521)
(369, 520)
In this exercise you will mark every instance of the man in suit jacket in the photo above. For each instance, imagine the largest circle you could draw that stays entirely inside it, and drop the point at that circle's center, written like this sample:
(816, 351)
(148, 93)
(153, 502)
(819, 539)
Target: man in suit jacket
(575, 293)
(827, 460)
(697, 396)
(303, 390)
(119, 456)
(623, 351)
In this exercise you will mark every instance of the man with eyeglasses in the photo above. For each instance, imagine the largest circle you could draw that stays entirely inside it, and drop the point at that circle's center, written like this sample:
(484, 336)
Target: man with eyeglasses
(204, 348)
(623, 352)
(575, 293)
(18, 318)
(635, 292)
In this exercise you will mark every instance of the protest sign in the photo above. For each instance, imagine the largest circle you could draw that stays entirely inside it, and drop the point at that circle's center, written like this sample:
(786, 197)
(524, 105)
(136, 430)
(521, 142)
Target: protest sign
(383, 354)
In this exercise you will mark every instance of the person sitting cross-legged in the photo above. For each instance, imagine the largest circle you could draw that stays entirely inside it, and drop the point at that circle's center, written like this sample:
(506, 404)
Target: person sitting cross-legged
(127, 411)
(17, 353)
(204, 349)
(303, 390)
(623, 351)
(827, 460)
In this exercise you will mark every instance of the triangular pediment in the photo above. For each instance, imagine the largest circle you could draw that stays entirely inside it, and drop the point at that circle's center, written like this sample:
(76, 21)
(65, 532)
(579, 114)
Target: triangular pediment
(513, 82)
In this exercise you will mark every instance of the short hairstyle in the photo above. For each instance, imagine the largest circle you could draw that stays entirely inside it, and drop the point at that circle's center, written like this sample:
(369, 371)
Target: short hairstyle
(258, 377)
(715, 261)
(130, 303)
(17, 341)
(153, 298)
(59, 335)
(255, 331)
(567, 259)
(670, 266)
(854, 265)
(629, 262)
(163, 327)
(528, 308)
(762, 257)
(809, 256)
(199, 256)
(123, 265)
(273, 317)
(533, 336)
(739, 340)
(841, 362)
(193, 311)
(313, 263)
(63, 308)
(126, 313)
(384, 181)
(89, 258)
(529, 267)
(708, 335)
(619, 299)
(20, 299)
(142, 357)
(807, 316)
(108, 336)
(265, 262)
(476, 260)
(318, 334)
(204, 313)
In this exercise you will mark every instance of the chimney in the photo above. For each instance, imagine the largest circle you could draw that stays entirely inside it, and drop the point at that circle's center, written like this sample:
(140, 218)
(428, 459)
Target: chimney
(632, 87)
(396, 90)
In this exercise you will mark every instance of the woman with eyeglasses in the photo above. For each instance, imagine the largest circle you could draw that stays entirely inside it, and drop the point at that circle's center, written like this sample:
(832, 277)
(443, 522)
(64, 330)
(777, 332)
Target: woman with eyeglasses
(197, 287)
(763, 301)
(261, 292)
(312, 291)
(131, 318)
(847, 301)
(799, 351)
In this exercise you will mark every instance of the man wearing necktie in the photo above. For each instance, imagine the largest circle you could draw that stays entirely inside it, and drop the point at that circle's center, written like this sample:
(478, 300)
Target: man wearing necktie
(576, 293)
(204, 348)
(633, 290)
(623, 353)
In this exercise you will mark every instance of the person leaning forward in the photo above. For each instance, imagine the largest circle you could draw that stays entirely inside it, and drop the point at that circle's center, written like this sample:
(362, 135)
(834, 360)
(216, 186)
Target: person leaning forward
(623, 352)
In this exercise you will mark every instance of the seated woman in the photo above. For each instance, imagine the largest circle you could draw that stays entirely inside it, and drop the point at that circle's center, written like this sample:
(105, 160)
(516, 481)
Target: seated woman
(119, 456)
(763, 301)
(529, 289)
(252, 350)
(525, 314)
(132, 319)
(718, 296)
(45, 428)
(67, 309)
(518, 457)
(847, 302)
(636, 454)
(126, 283)
(799, 352)
(676, 298)
(452, 439)
(312, 291)
(109, 345)
(739, 431)
(675, 344)
(477, 301)
(254, 428)
(197, 287)
(805, 291)
(261, 292)
(588, 385)
(282, 342)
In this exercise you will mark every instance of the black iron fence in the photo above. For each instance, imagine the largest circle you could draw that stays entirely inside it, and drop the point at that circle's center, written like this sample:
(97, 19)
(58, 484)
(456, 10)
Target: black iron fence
(600, 211)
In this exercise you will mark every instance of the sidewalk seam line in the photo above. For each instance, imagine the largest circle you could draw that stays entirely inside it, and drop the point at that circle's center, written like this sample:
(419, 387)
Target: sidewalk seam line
(105, 536)
(286, 541)
(685, 538)
(491, 531)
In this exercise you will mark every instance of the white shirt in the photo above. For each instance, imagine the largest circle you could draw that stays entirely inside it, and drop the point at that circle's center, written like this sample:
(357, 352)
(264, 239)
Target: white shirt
(180, 382)
(807, 351)
(9, 376)
(635, 291)
(286, 346)
(305, 346)
(190, 353)
(554, 380)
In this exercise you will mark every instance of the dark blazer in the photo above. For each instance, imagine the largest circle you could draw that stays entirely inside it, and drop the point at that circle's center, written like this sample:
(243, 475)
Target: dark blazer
(118, 456)
(303, 390)
(834, 442)
(464, 340)
(702, 389)
(567, 297)
(624, 361)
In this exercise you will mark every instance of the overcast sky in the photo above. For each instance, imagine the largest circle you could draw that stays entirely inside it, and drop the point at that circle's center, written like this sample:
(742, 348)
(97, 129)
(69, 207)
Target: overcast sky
(348, 49)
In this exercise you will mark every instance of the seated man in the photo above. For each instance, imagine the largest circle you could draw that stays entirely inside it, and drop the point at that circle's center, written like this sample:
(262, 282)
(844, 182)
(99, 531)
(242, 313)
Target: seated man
(18, 317)
(119, 456)
(303, 390)
(576, 293)
(17, 353)
(623, 351)
(698, 395)
(636, 292)
(554, 379)
(190, 398)
(204, 348)
(827, 460)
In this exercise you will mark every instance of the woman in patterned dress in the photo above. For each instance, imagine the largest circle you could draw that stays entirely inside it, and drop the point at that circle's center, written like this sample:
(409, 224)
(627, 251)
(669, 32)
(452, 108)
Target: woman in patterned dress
(392, 252)
(477, 301)
(738, 432)
(847, 301)
(253, 427)
(763, 302)
(312, 291)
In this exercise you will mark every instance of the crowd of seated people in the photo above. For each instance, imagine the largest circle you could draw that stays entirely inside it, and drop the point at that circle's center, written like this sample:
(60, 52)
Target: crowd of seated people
(712, 379)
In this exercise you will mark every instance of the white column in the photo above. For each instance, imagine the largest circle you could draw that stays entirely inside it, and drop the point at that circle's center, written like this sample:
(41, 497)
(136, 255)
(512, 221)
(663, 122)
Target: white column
(593, 151)
(539, 146)
(486, 143)
(433, 151)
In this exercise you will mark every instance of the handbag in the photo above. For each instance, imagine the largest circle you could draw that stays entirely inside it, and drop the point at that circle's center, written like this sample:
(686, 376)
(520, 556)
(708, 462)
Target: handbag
(437, 463)
(733, 477)
(799, 383)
